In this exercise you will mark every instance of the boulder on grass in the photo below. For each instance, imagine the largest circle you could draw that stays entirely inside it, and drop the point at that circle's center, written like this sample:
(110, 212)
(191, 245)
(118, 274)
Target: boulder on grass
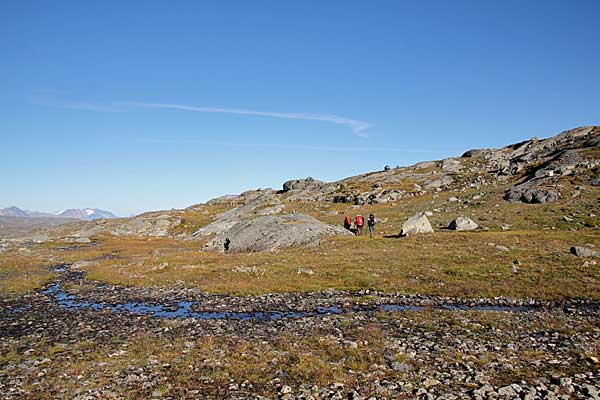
(581, 251)
(418, 223)
(463, 224)
(532, 196)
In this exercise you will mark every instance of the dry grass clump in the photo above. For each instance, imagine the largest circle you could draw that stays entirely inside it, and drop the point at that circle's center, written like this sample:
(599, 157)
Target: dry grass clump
(21, 273)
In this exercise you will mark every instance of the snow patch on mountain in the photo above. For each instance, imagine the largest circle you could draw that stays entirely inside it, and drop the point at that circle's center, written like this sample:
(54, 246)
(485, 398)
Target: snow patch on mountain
(86, 214)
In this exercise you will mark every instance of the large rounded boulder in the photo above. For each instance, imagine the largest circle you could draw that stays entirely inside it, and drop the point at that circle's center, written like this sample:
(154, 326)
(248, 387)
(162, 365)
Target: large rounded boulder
(272, 232)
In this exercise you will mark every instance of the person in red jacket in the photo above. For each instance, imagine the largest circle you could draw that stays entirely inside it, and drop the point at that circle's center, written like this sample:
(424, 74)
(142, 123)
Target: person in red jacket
(360, 222)
(348, 222)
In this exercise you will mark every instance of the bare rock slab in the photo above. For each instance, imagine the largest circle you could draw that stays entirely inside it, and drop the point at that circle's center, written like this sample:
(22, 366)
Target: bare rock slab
(272, 232)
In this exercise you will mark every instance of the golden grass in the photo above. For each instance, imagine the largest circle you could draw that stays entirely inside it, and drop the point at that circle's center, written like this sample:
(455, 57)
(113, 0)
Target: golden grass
(443, 263)
(21, 273)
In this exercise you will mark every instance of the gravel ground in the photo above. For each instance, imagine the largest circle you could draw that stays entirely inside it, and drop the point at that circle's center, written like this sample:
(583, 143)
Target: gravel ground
(533, 351)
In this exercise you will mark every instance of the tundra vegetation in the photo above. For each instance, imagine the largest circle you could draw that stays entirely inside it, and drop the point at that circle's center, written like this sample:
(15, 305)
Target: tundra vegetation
(531, 202)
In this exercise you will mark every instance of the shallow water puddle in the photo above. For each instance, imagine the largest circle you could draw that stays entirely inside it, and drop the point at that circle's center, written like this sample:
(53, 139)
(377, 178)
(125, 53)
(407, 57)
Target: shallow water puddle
(184, 308)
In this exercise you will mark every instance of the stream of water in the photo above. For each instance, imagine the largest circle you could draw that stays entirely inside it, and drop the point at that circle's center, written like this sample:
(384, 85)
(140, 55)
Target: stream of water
(184, 309)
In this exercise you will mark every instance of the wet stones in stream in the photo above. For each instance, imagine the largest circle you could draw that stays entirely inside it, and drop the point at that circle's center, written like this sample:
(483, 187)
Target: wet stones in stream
(430, 347)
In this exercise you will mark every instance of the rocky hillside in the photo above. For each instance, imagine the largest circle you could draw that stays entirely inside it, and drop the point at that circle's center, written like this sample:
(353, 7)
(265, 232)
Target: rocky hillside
(480, 185)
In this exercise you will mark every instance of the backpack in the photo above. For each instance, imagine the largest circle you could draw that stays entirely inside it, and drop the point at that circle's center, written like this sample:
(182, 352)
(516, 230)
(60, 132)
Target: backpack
(348, 220)
(359, 220)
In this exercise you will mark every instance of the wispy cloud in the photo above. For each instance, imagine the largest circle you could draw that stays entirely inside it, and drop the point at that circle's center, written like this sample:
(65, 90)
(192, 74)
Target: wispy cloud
(358, 127)
(278, 146)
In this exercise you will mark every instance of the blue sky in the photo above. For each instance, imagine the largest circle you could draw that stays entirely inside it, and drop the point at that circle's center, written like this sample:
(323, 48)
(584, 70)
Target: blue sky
(132, 106)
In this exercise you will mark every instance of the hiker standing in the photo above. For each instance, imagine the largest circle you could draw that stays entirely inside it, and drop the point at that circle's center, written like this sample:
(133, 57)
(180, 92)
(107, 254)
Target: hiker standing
(359, 225)
(226, 245)
(371, 223)
(347, 222)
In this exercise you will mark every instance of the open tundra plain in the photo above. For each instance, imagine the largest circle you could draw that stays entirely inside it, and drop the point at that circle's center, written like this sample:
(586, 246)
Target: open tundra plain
(503, 303)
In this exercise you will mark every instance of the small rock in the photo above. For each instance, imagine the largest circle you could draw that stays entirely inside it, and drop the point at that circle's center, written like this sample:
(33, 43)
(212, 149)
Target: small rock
(305, 271)
(401, 367)
(507, 391)
(591, 391)
(581, 251)
(430, 382)
(285, 389)
(516, 266)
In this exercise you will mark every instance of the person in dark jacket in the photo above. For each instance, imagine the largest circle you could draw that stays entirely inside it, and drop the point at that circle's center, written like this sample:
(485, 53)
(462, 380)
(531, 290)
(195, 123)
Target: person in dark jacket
(226, 244)
(371, 223)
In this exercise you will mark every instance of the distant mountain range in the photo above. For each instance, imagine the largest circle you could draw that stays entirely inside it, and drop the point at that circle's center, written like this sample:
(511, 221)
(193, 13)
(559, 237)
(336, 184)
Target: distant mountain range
(85, 214)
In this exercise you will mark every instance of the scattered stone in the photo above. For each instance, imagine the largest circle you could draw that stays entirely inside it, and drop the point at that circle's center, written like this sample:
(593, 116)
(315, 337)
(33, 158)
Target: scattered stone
(430, 382)
(85, 264)
(285, 389)
(245, 270)
(507, 391)
(532, 196)
(581, 251)
(516, 267)
(305, 271)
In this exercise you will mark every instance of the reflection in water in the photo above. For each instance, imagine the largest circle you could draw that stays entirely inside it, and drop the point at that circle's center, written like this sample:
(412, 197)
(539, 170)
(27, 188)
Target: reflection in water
(184, 308)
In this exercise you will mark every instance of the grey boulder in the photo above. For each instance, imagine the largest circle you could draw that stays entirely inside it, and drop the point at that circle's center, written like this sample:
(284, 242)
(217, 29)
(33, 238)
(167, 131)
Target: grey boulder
(532, 196)
(302, 184)
(463, 224)
(581, 251)
(418, 223)
(272, 232)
